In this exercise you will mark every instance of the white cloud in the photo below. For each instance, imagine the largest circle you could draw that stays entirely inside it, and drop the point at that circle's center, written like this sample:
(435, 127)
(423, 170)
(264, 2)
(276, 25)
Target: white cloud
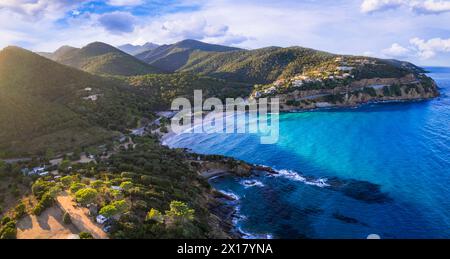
(125, 2)
(418, 6)
(432, 7)
(370, 6)
(427, 49)
(39, 9)
(396, 51)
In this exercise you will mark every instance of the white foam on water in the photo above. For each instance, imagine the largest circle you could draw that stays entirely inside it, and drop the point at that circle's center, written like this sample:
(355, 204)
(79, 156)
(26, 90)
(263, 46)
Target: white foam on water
(251, 183)
(292, 175)
(230, 194)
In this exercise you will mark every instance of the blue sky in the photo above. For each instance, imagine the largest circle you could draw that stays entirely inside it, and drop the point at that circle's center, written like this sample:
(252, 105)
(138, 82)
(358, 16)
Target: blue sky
(414, 30)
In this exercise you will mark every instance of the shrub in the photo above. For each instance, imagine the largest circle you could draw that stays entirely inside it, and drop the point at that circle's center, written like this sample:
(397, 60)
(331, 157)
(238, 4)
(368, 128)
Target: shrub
(126, 185)
(121, 206)
(5, 220)
(20, 210)
(75, 187)
(40, 187)
(66, 218)
(46, 201)
(109, 211)
(38, 209)
(8, 232)
(180, 211)
(97, 184)
(155, 215)
(66, 180)
(86, 195)
(85, 235)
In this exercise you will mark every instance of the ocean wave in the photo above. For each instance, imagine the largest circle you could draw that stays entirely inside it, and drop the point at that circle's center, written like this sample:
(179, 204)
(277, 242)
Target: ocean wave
(247, 235)
(251, 183)
(292, 175)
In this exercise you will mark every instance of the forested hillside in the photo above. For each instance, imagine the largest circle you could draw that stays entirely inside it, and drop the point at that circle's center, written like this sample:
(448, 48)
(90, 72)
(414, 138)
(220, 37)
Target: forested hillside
(172, 57)
(45, 105)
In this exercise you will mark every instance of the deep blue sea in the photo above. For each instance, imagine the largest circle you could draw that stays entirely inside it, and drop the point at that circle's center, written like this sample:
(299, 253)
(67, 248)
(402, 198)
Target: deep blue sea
(385, 170)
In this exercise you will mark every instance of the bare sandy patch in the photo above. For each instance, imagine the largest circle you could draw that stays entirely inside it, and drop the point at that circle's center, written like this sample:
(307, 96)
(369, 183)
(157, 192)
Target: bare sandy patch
(48, 225)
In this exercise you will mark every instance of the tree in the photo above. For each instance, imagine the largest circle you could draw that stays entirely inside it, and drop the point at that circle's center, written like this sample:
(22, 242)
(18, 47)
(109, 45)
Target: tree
(20, 210)
(121, 206)
(74, 187)
(155, 215)
(66, 180)
(97, 184)
(66, 218)
(5, 220)
(126, 185)
(45, 202)
(180, 211)
(109, 211)
(86, 195)
(64, 166)
(9, 231)
(85, 235)
(40, 187)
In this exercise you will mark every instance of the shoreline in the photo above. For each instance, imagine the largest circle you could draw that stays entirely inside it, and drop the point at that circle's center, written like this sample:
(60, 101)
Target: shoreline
(231, 218)
(360, 105)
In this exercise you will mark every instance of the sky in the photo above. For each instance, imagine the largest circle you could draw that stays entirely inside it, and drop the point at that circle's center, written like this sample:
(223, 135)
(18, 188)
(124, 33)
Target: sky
(413, 30)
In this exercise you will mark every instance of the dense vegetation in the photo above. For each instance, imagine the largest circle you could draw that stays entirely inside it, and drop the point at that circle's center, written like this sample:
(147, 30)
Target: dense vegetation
(101, 58)
(161, 89)
(172, 57)
(160, 195)
(42, 105)
(259, 66)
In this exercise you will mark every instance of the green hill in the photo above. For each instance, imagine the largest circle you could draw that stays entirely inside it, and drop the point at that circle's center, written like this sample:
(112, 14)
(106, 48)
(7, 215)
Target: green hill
(266, 65)
(258, 66)
(43, 105)
(101, 58)
(161, 89)
(172, 57)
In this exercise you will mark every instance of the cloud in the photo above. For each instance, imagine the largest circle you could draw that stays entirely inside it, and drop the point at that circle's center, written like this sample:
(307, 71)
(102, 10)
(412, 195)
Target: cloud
(39, 9)
(418, 6)
(370, 6)
(427, 49)
(125, 2)
(396, 51)
(117, 22)
(432, 7)
(193, 28)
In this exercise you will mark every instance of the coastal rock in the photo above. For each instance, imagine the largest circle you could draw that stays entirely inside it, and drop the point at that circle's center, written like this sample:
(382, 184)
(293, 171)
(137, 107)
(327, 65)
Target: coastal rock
(359, 190)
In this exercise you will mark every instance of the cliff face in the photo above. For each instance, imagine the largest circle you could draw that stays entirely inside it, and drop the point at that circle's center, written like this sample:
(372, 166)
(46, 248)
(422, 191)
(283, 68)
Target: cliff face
(409, 87)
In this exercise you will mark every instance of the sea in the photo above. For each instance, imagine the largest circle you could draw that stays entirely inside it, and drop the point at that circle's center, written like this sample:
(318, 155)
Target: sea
(379, 169)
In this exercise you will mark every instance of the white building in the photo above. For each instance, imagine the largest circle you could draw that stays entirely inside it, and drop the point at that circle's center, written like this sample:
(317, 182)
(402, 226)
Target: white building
(344, 68)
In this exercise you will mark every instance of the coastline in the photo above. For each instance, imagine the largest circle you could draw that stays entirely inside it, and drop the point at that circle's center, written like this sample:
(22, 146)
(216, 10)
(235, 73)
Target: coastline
(229, 210)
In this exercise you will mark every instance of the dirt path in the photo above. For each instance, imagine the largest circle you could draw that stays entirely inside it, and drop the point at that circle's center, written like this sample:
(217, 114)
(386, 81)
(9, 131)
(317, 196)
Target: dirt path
(79, 217)
(48, 225)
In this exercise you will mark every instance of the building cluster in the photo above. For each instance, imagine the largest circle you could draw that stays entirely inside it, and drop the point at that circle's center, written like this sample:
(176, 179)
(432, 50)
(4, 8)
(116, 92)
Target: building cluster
(343, 69)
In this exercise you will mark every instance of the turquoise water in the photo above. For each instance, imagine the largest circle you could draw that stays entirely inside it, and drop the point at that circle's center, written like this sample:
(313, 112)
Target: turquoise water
(402, 150)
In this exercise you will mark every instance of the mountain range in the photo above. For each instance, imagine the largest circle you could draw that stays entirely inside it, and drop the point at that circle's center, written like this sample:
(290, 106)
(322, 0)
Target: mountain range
(101, 58)
(137, 49)
(172, 57)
